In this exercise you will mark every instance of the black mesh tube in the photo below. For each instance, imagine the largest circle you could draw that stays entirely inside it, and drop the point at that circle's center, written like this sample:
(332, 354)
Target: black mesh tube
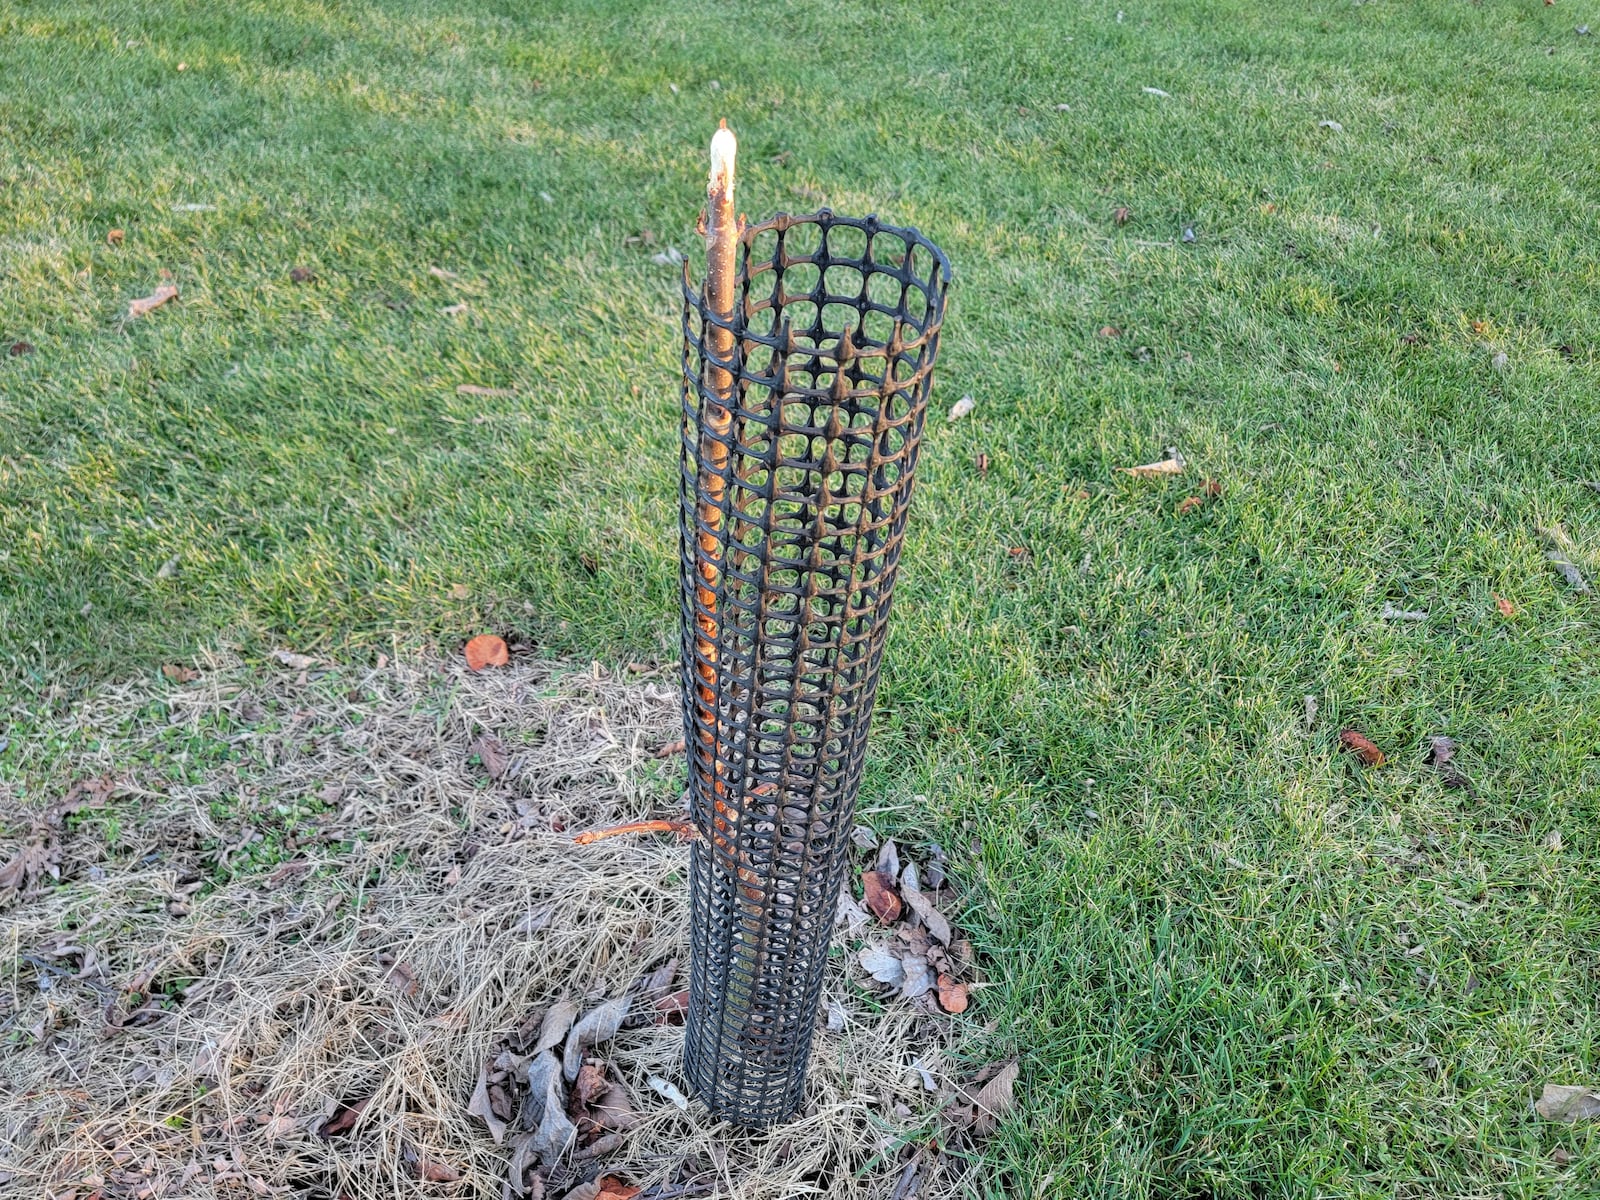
(794, 489)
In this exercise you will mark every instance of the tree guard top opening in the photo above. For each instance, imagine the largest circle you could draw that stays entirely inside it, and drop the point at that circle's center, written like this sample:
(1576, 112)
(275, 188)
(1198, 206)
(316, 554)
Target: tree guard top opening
(803, 411)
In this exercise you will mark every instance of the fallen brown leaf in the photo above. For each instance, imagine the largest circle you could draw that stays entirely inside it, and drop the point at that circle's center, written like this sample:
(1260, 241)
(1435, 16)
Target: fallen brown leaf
(672, 1008)
(146, 304)
(881, 897)
(38, 857)
(589, 1086)
(952, 995)
(989, 1097)
(598, 1025)
(301, 275)
(668, 749)
(1121, 214)
(436, 1172)
(114, 237)
(1173, 464)
(482, 1106)
(492, 753)
(1564, 1102)
(1211, 488)
(18, 349)
(345, 1118)
(981, 462)
(487, 650)
(402, 977)
(1188, 504)
(1108, 331)
(1441, 750)
(612, 1188)
(180, 674)
(1568, 571)
(1362, 747)
(933, 920)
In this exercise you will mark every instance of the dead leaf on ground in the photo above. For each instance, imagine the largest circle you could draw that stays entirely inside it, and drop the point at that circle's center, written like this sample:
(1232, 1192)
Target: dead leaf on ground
(883, 965)
(402, 977)
(1362, 747)
(472, 389)
(441, 273)
(553, 1029)
(599, 1025)
(920, 977)
(146, 304)
(1188, 504)
(1108, 331)
(937, 925)
(487, 650)
(669, 1091)
(1565, 1102)
(492, 753)
(961, 407)
(668, 749)
(1173, 464)
(435, 1172)
(295, 662)
(671, 1008)
(590, 1084)
(482, 1106)
(546, 1110)
(612, 1188)
(18, 349)
(981, 1104)
(453, 310)
(881, 897)
(301, 275)
(1507, 609)
(345, 1118)
(1121, 214)
(114, 237)
(1393, 613)
(1568, 571)
(952, 995)
(1441, 750)
(889, 859)
(38, 857)
(179, 674)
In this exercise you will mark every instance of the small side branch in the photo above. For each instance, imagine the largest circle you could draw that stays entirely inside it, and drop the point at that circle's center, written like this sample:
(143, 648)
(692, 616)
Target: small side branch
(683, 829)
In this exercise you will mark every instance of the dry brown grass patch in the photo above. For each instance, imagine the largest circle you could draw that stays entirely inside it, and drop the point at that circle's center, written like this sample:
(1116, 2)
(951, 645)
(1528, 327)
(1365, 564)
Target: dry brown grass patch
(308, 893)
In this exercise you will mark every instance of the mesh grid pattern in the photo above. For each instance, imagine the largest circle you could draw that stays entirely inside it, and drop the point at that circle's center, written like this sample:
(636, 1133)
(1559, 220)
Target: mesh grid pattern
(794, 488)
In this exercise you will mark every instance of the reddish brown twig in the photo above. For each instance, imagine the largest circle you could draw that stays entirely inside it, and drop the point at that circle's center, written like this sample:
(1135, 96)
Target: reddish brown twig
(682, 828)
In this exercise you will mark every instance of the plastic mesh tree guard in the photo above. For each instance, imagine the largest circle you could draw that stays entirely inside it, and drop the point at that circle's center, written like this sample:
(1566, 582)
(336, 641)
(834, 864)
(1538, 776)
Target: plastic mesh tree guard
(802, 416)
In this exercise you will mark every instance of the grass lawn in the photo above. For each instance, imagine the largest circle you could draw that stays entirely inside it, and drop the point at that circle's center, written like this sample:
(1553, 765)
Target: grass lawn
(1235, 962)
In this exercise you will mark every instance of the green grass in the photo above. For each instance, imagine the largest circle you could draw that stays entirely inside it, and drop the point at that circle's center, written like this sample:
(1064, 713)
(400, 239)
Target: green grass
(1235, 963)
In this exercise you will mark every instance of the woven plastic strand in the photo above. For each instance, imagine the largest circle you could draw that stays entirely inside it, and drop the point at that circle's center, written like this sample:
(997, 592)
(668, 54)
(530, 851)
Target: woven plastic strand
(800, 524)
